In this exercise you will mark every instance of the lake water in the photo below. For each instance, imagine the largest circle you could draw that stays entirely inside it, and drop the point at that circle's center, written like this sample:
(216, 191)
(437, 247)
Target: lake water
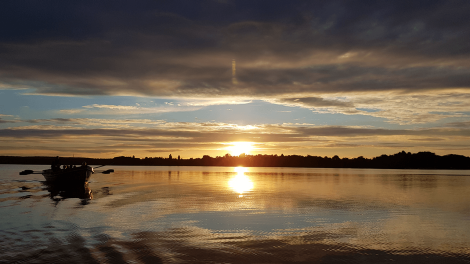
(237, 215)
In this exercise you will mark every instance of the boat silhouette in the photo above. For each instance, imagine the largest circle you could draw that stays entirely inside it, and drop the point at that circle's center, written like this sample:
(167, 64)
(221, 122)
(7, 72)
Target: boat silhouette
(69, 175)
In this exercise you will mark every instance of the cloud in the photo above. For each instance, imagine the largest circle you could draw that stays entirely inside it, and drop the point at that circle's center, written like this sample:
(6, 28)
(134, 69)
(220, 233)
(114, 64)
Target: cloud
(463, 124)
(144, 137)
(218, 101)
(427, 139)
(53, 120)
(91, 122)
(3, 121)
(126, 109)
(112, 107)
(283, 49)
(71, 111)
(195, 133)
(399, 108)
(340, 131)
(312, 102)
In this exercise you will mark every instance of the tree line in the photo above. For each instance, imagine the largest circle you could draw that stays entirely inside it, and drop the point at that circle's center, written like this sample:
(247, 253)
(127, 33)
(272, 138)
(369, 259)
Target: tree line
(400, 160)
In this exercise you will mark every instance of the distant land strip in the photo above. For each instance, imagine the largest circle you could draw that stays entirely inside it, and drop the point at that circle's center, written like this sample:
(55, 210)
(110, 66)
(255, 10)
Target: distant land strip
(400, 160)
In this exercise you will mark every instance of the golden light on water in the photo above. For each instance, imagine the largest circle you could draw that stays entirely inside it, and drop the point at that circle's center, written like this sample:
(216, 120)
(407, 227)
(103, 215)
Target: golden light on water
(241, 183)
(237, 148)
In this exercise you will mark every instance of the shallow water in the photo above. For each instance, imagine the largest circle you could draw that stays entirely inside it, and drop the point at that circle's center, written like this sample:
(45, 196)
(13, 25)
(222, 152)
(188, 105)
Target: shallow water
(237, 215)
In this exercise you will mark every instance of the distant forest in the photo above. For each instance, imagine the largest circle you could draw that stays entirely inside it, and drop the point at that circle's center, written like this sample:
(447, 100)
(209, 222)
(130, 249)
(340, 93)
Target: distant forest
(401, 160)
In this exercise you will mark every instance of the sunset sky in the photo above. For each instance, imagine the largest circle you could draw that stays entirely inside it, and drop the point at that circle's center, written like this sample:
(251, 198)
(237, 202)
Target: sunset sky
(190, 78)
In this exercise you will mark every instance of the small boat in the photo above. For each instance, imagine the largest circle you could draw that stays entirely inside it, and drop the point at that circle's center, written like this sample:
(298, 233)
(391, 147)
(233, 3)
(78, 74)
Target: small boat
(71, 175)
(68, 175)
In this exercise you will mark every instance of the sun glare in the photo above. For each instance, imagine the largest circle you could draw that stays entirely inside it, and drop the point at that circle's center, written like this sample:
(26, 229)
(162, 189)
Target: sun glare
(237, 148)
(241, 183)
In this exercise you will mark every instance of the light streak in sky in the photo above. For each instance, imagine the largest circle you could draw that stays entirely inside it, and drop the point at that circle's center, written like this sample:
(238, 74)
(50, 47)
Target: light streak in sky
(234, 72)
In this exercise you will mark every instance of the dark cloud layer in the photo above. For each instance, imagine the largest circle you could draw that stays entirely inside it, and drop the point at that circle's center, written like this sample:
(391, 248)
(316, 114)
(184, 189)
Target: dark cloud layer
(269, 138)
(185, 48)
(277, 134)
(4, 121)
(463, 124)
(315, 102)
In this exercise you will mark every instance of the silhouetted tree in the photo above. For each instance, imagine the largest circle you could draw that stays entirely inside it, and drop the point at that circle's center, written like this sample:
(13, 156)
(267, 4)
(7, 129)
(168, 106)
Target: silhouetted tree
(400, 160)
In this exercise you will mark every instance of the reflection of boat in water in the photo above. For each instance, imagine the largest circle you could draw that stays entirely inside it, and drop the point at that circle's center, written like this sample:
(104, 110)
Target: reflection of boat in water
(66, 191)
(70, 175)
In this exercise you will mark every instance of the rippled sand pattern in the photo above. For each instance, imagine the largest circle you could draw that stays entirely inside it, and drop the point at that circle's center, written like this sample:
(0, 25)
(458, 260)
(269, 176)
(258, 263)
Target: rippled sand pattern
(232, 215)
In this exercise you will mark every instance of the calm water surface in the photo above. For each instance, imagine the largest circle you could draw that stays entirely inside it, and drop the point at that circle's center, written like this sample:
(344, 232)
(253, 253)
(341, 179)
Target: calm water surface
(237, 215)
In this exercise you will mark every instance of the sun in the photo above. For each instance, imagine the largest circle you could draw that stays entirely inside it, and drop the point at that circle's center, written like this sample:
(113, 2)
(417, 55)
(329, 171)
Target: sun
(237, 148)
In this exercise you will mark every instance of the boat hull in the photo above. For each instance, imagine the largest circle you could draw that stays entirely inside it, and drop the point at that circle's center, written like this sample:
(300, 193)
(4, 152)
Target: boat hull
(74, 175)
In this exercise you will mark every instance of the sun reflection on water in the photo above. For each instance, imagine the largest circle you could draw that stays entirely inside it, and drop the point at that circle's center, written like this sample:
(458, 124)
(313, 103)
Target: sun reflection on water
(240, 183)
